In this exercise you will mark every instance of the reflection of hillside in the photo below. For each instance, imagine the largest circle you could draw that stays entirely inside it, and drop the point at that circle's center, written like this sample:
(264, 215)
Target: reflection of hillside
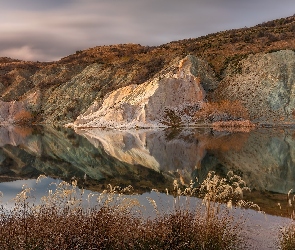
(11, 135)
(150, 148)
(148, 158)
(266, 160)
(64, 154)
(221, 141)
(163, 150)
(168, 151)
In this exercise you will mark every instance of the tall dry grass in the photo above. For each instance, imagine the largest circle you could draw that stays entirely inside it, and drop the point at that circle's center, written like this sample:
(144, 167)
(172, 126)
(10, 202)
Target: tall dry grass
(287, 233)
(287, 238)
(65, 219)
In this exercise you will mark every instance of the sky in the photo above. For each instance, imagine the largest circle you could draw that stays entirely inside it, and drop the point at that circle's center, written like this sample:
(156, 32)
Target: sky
(47, 30)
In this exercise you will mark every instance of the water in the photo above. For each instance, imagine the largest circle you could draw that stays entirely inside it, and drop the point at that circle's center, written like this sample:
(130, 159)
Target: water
(152, 159)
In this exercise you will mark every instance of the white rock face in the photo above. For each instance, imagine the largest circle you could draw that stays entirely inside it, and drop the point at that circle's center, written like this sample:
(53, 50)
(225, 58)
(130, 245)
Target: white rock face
(175, 88)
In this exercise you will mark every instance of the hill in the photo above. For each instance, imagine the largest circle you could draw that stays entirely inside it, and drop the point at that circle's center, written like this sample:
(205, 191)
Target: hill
(58, 92)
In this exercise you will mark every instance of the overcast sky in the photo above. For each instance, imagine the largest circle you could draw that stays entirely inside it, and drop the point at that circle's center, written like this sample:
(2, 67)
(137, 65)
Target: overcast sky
(47, 30)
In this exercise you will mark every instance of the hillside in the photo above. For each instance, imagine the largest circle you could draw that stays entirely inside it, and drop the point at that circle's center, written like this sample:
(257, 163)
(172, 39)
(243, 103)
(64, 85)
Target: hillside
(58, 92)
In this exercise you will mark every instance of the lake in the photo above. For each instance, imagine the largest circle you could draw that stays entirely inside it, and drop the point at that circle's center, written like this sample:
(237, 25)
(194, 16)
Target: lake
(152, 159)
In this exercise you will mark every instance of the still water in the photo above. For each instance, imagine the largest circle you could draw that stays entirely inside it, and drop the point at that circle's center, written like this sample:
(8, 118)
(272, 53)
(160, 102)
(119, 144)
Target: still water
(151, 159)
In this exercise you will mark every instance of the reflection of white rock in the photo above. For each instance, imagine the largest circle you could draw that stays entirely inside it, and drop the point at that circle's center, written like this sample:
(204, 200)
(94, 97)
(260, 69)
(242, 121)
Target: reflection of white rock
(125, 146)
(266, 159)
(144, 105)
(149, 148)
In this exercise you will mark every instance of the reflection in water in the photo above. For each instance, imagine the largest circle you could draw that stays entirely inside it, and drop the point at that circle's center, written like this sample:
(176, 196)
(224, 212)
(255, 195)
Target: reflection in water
(181, 152)
(148, 159)
(264, 158)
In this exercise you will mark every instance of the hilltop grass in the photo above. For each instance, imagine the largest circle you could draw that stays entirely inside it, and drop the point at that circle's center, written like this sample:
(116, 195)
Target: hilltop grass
(115, 220)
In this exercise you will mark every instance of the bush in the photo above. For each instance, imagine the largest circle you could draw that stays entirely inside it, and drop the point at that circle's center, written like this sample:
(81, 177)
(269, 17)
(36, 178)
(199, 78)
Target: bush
(23, 117)
(171, 119)
(222, 111)
(287, 238)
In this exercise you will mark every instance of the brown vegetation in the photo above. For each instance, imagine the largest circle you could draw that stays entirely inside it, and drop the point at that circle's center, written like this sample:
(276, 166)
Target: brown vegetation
(23, 131)
(227, 142)
(223, 111)
(133, 63)
(234, 126)
(23, 117)
(171, 119)
(287, 237)
(115, 220)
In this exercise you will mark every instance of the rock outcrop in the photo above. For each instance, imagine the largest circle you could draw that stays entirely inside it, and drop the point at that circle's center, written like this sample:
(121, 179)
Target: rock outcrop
(264, 84)
(178, 89)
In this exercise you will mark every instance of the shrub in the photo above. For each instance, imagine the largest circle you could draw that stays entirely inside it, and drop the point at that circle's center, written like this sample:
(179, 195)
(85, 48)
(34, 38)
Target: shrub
(287, 238)
(23, 117)
(287, 234)
(222, 111)
(171, 119)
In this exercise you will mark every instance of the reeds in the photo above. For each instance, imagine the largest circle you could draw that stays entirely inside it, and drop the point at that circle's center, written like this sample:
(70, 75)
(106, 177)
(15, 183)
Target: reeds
(287, 237)
(287, 233)
(64, 219)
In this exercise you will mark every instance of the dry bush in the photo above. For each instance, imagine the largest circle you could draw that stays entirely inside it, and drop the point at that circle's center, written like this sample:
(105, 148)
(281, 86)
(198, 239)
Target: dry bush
(222, 111)
(234, 126)
(171, 118)
(23, 117)
(115, 221)
(287, 238)
(287, 234)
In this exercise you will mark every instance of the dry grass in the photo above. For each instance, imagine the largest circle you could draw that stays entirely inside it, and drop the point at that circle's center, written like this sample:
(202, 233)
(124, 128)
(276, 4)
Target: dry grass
(23, 117)
(234, 126)
(65, 220)
(287, 234)
(287, 238)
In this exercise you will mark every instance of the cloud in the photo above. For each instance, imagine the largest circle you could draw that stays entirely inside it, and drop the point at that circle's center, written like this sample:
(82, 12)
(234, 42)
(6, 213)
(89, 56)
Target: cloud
(24, 53)
(48, 30)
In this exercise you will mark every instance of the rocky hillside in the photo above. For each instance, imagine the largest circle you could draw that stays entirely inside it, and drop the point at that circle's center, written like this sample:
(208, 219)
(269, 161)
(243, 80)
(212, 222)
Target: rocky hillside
(58, 92)
(264, 84)
(171, 98)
